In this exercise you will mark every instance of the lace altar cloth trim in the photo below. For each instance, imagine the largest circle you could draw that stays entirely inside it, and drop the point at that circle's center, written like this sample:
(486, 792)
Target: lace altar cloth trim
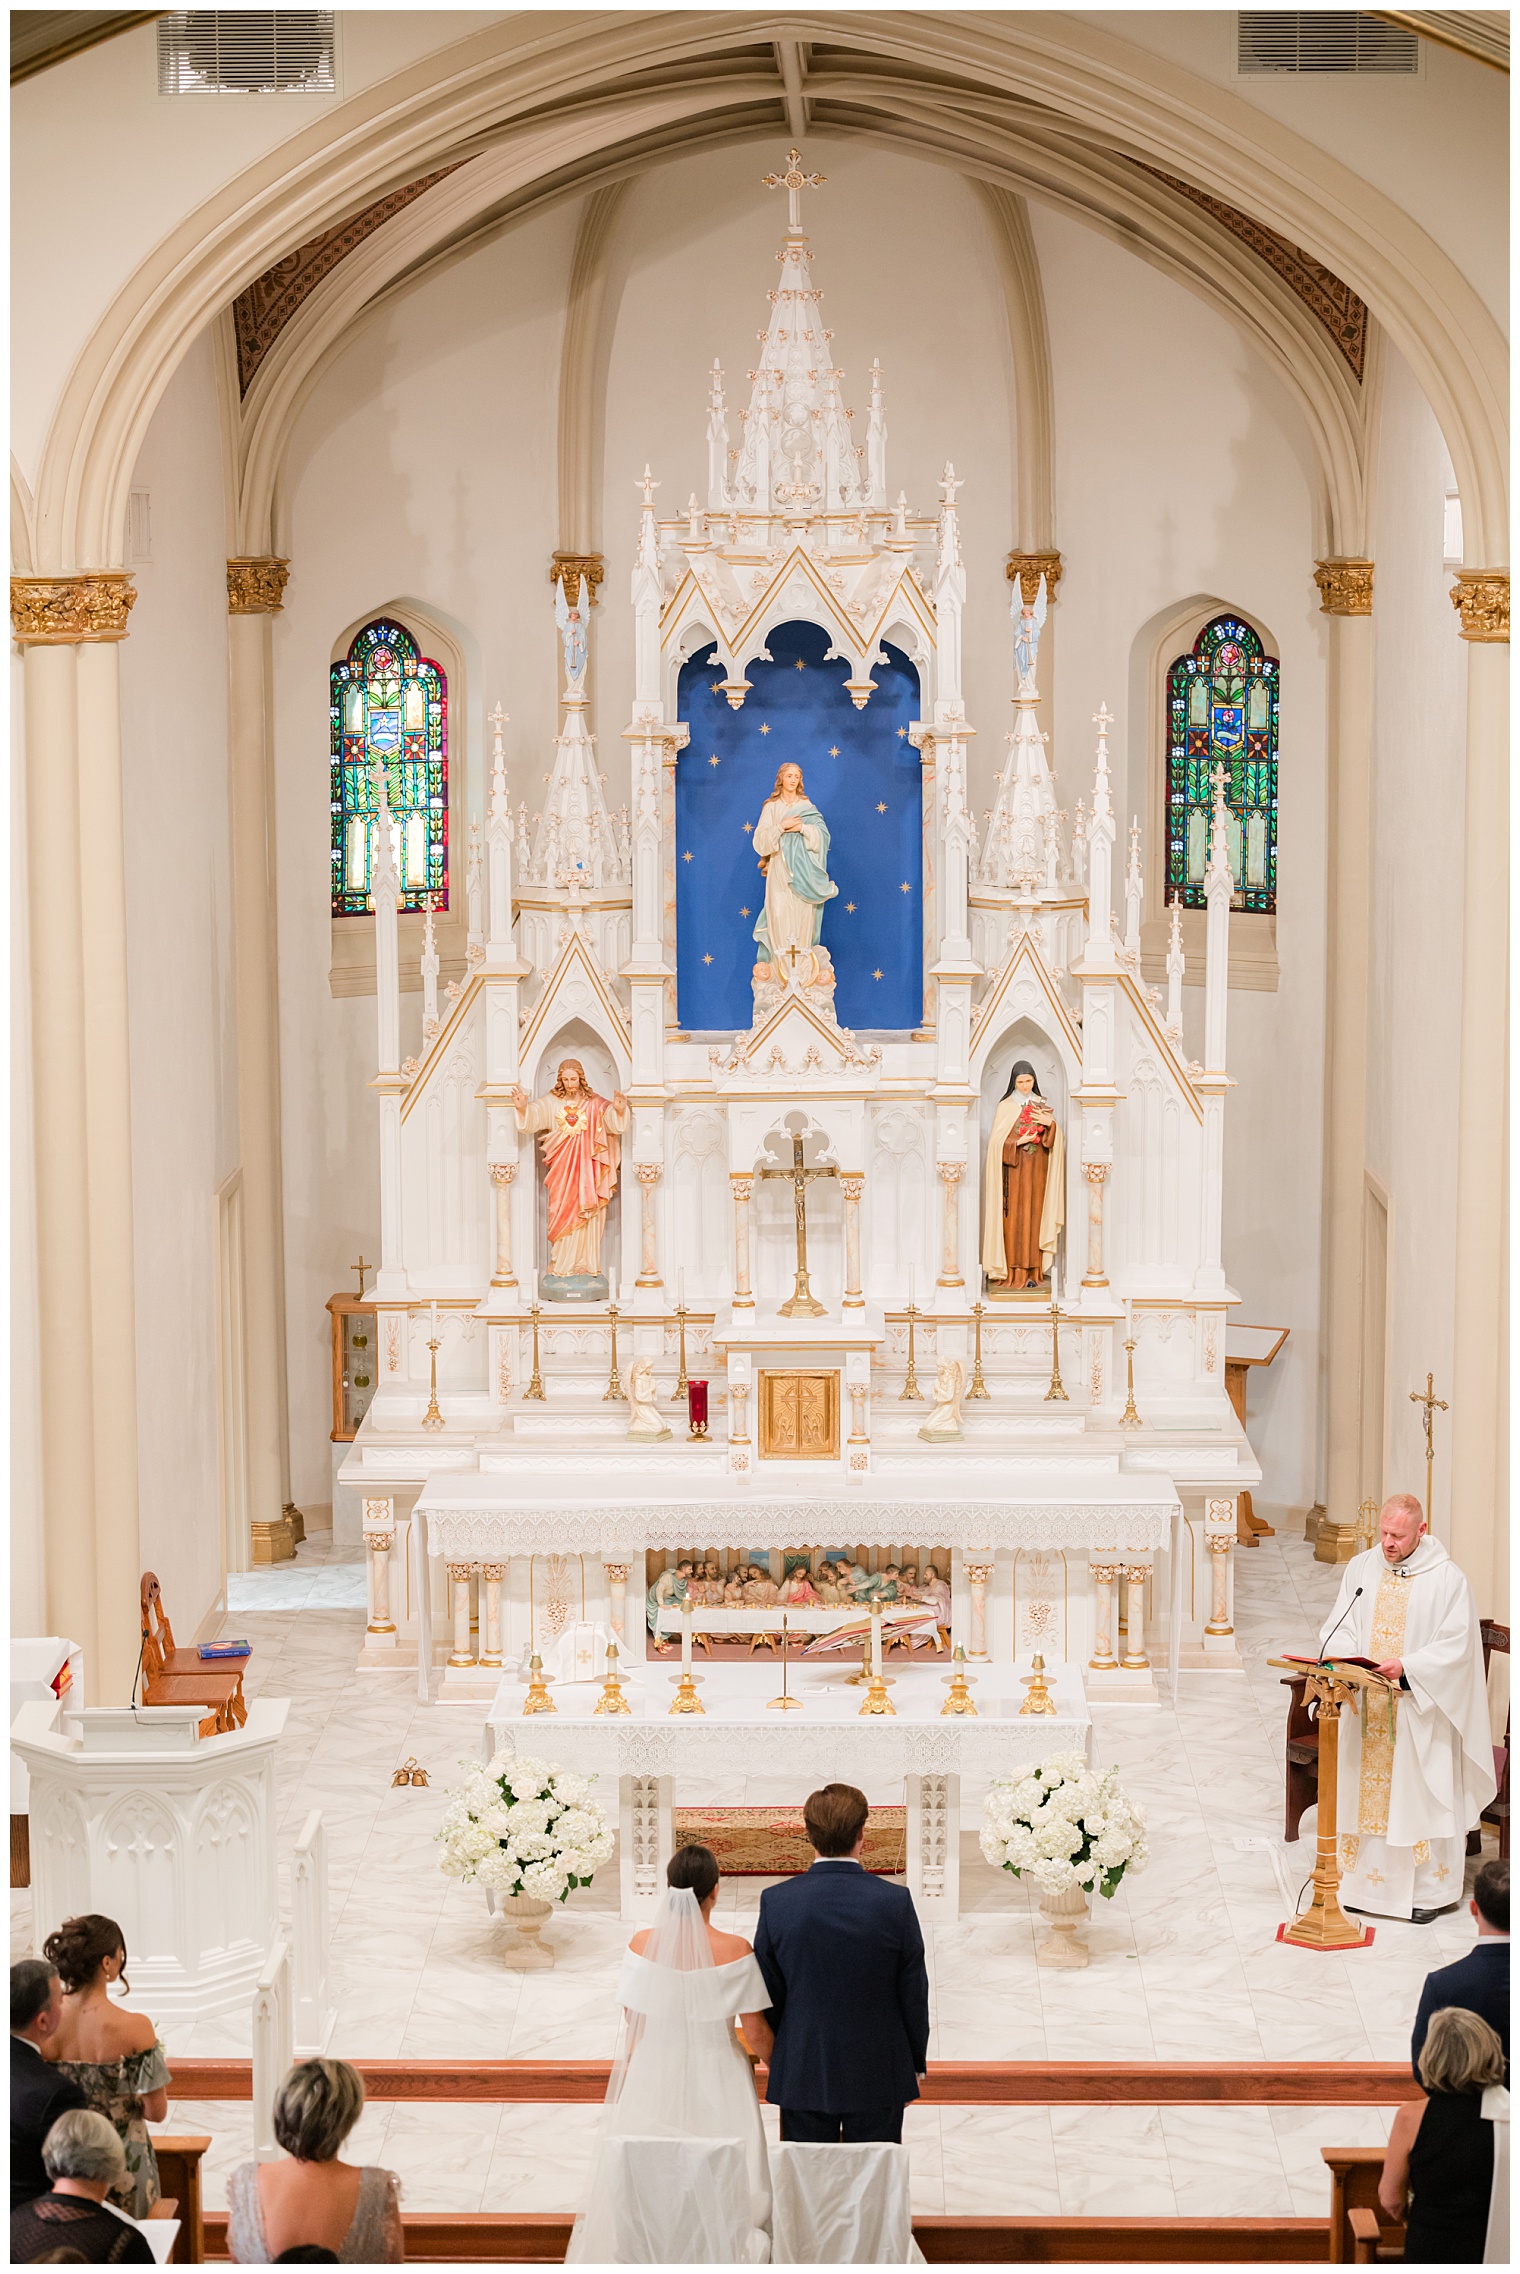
(794, 1746)
(738, 1521)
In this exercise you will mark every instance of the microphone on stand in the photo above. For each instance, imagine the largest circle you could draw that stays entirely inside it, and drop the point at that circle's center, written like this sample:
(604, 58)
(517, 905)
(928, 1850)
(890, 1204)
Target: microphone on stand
(1340, 1622)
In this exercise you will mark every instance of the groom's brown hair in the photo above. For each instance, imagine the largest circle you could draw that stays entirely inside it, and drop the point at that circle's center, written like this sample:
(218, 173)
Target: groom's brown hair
(835, 1818)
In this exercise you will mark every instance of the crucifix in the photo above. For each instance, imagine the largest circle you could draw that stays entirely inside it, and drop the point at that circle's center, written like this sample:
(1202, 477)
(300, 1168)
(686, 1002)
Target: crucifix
(801, 1304)
(794, 181)
(1432, 1405)
(361, 1267)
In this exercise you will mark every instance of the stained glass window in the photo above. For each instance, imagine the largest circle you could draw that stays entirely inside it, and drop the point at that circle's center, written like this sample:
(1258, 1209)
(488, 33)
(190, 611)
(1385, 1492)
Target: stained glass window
(1221, 710)
(389, 706)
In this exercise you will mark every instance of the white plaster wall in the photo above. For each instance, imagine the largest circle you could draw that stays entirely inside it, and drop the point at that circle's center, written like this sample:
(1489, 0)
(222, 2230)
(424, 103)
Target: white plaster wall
(28, 1574)
(1416, 977)
(901, 254)
(180, 981)
(1182, 468)
(422, 467)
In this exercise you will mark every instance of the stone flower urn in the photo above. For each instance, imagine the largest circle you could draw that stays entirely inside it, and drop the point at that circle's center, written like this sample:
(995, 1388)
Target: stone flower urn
(1065, 1913)
(525, 1916)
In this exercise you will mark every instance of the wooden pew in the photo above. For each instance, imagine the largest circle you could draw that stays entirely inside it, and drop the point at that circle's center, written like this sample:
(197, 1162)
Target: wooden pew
(1354, 2176)
(179, 2175)
(1371, 2241)
(182, 1677)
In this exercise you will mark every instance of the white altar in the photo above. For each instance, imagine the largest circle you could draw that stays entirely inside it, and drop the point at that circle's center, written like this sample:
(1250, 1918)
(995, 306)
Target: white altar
(1083, 1486)
(916, 1750)
(136, 1815)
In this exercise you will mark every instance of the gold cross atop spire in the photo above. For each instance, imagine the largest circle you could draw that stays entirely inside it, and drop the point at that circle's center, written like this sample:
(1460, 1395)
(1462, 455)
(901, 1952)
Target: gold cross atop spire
(794, 181)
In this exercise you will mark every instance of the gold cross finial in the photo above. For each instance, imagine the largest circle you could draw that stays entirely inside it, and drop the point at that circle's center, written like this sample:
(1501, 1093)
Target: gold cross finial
(361, 1267)
(794, 181)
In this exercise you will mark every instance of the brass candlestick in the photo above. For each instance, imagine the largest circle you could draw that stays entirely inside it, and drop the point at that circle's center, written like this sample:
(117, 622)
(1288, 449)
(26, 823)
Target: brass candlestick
(786, 1703)
(684, 1701)
(680, 1389)
(612, 1699)
(433, 1418)
(1057, 1388)
(538, 1699)
(1130, 1417)
(876, 1699)
(614, 1387)
(1039, 1699)
(535, 1388)
(910, 1387)
(978, 1387)
(960, 1699)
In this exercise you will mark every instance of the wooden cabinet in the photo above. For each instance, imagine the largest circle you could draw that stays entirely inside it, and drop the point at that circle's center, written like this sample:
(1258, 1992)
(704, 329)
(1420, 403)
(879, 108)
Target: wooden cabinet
(355, 1364)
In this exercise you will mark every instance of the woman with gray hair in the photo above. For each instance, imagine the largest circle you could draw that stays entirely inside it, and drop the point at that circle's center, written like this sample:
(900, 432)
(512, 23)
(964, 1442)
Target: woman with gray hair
(84, 2158)
(311, 2197)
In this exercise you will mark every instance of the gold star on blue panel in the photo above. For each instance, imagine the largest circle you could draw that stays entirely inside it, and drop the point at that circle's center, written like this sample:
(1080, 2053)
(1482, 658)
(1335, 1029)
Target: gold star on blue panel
(748, 826)
(707, 959)
(849, 908)
(686, 856)
(905, 888)
(714, 759)
(878, 975)
(881, 809)
(801, 666)
(744, 911)
(765, 729)
(902, 734)
(715, 686)
(834, 750)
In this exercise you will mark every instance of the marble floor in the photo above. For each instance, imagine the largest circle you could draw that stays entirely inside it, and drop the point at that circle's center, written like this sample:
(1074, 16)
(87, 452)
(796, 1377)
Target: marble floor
(1184, 1961)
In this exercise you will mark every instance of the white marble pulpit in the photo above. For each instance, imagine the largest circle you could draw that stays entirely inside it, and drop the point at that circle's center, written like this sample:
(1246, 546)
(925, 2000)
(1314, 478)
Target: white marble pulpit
(135, 1814)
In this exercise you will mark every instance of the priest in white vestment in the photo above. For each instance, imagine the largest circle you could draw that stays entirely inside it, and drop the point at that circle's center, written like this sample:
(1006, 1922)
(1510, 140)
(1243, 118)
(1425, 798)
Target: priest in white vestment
(1417, 1766)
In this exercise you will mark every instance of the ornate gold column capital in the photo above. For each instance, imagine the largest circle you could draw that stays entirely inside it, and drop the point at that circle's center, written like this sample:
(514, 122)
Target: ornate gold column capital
(1027, 569)
(256, 584)
(1481, 599)
(571, 570)
(58, 611)
(1345, 587)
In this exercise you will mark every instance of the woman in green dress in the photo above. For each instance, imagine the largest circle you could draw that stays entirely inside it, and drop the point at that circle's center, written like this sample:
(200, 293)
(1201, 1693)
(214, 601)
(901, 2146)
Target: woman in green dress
(112, 2054)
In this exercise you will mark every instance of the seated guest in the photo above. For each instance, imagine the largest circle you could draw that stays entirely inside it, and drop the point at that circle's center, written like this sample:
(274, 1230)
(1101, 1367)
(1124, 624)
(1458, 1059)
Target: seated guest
(353, 2209)
(112, 2055)
(1480, 1981)
(1440, 2158)
(39, 2092)
(85, 2162)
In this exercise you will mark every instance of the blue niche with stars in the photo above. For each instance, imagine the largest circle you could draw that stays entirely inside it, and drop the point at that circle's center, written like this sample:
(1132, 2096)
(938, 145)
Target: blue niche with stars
(862, 773)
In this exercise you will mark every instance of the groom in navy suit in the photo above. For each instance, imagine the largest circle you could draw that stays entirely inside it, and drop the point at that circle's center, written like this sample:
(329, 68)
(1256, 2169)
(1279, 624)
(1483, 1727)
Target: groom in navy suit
(843, 1959)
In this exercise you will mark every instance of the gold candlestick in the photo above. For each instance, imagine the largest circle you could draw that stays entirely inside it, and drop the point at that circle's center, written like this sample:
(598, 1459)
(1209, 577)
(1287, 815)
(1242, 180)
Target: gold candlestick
(612, 1699)
(978, 1387)
(876, 1699)
(1057, 1388)
(960, 1699)
(910, 1387)
(786, 1703)
(1039, 1699)
(538, 1699)
(680, 1389)
(535, 1388)
(684, 1701)
(614, 1387)
(1130, 1417)
(433, 1418)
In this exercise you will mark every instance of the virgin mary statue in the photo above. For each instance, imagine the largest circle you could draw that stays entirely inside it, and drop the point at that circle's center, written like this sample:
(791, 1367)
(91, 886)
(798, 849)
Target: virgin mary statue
(792, 840)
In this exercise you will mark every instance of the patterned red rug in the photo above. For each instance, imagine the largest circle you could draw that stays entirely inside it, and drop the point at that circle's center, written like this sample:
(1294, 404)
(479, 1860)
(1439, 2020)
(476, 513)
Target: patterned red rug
(771, 1843)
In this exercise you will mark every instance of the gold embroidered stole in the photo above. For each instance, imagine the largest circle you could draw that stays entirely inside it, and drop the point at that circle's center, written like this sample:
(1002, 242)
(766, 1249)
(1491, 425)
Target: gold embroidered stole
(1380, 1708)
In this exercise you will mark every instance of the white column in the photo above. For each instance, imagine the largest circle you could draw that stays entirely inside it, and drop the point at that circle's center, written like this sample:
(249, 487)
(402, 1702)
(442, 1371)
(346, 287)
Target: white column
(502, 1173)
(644, 1842)
(852, 1187)
(950, 1270)
(499, 948)
(648, 1174)
(743, 1186)
(1135, 1577)
(1096, 1173)
(934, 1848)
(491, 1577)
(1479, 1532)
(1104, 1576)
(381, 1630)
(617, 1589)
(1220, 1551)
(459, 1593)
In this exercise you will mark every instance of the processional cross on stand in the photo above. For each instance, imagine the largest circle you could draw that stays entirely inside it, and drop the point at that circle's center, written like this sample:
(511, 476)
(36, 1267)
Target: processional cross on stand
(802, 1304)
(1432, 1405)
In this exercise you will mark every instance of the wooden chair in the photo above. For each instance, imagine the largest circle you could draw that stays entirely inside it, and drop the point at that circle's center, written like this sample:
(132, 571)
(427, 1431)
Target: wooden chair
(171, 1676)
(1496, 1637)
(1301, 1752)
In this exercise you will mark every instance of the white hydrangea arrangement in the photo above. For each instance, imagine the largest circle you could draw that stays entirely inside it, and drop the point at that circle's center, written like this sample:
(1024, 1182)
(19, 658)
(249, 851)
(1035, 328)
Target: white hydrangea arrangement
(1066, 1825)
(523, 1828)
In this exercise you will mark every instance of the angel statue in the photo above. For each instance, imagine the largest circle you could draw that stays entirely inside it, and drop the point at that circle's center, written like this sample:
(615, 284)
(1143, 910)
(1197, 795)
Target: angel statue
(645, 1426)
(792, 840)
(943, 1426)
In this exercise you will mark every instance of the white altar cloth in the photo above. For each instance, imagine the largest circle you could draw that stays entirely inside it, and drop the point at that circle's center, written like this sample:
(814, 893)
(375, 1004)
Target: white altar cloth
(736, 1736)
(765, 1618)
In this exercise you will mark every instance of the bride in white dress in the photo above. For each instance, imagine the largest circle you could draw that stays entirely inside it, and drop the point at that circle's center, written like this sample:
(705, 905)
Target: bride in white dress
(681, 2072)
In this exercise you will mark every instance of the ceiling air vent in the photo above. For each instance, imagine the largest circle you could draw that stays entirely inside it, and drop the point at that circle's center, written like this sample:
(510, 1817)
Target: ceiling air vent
(1276, 41)
(246, 51)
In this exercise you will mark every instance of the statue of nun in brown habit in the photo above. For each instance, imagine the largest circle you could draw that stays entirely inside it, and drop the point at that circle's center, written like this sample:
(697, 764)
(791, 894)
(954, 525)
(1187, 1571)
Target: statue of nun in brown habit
(1025, 1192)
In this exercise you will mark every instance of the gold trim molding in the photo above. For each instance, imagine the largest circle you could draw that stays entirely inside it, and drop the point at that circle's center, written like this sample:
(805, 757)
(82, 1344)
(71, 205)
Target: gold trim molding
(1345, 587)
(58, 611)
(571, 570)
(1481, 599)
(256, 584)
(1028, 568)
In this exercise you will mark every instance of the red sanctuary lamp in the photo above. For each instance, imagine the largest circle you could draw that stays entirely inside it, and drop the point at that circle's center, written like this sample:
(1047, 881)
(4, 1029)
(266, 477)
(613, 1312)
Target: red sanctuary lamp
(696, 1408)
